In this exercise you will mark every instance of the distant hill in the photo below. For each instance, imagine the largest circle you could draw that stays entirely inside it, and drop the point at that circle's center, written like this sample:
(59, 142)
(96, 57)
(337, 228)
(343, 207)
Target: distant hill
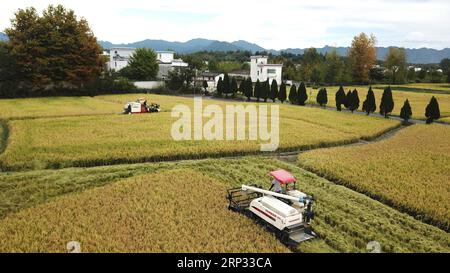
(417, 56)
(414, 55)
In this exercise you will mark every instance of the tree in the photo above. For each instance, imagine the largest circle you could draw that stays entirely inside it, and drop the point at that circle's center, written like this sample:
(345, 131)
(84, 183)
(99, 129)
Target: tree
(376, 74)
(54, 49)
(302, 96)
(310, 60)
(180, 77)
(205, 86)
(432, 111)
(265, 90)
(226, 89)
(220, 87)
(411, 75)
(322, 97)
(248, 88)
(396, 63)
(274, 90)
(8, 72)
(369, 105)
(293, 94)
(333, 67)
(445, 66)
(282, 94)
(405, 112)
(315, 75)
(258, 90)
(387, 102)
(348, 98)
(142, 66)
(353, 103)
(340, 98)
(362, 55)
(233, 87)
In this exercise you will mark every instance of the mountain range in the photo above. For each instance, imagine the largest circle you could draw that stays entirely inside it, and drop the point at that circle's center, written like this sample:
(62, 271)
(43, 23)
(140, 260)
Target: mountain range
(414, 55)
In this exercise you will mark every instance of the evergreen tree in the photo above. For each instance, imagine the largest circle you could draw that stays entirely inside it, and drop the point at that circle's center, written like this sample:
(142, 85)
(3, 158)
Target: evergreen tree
(205, 86)
(348, 99)
(248, 88)
(387, 102)
(233, 87)
(220, 87)
(340, 98)
(302, 96)
(282, 94)
(293, 94)
(322, 97)
(258, 90)
(274, 90)
(432, 111)
(265, 90)
(405, 112)
(369, 105)
(226, 85)
(354, 101)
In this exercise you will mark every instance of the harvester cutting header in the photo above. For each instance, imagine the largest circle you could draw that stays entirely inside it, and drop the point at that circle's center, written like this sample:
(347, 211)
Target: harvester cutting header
(282, 209)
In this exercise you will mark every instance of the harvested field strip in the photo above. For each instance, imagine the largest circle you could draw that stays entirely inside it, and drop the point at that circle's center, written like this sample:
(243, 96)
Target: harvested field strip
(402, 171)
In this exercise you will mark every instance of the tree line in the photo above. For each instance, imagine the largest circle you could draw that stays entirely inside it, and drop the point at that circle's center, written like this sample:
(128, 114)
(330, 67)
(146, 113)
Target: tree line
(263, 91)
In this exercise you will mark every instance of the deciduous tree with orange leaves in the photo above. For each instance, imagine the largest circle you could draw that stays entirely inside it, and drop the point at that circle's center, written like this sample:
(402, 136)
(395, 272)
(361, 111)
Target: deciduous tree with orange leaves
(55, 49)
(362, 55)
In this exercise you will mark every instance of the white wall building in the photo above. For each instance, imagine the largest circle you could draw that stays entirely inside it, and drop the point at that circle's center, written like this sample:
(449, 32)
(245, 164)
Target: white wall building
(120, 56)
(261, 70)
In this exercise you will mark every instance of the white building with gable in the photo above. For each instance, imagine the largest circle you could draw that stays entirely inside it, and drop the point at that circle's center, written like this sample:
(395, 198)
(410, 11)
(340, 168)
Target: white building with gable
(261, 70)
(120, 56)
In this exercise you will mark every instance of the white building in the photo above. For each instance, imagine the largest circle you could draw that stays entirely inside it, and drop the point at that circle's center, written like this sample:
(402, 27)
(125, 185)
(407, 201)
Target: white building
(261, 70)
(120, 56)
(211, 78)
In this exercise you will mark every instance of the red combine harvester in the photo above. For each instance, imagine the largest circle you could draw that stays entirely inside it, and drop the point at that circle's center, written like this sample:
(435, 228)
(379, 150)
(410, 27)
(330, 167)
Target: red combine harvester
(282, 209)
(140, 106)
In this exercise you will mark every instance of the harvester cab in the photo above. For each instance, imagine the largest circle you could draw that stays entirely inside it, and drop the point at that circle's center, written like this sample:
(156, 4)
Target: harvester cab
(140, 106)
(286, 211)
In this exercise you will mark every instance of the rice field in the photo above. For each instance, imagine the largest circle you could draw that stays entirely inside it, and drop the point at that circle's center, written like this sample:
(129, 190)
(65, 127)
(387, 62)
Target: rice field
(410, 170)
(86, 141)
(62, 179)
(172, 211)
(112, 208)
(56, 107)
(418, 100)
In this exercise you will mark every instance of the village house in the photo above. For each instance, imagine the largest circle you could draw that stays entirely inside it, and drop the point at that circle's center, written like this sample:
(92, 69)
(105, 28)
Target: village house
(120, 56)
(211, 78)
(261, 70)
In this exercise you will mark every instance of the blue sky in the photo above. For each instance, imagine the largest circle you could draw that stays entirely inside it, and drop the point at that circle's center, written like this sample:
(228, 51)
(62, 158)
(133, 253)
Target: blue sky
(272, 24)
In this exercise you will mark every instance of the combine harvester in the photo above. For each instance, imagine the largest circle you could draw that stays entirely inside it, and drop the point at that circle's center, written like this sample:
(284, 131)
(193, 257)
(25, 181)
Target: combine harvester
(286, 212)
(140, 107)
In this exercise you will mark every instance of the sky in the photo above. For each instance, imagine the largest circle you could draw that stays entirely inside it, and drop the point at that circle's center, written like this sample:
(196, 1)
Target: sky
(272, 24)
